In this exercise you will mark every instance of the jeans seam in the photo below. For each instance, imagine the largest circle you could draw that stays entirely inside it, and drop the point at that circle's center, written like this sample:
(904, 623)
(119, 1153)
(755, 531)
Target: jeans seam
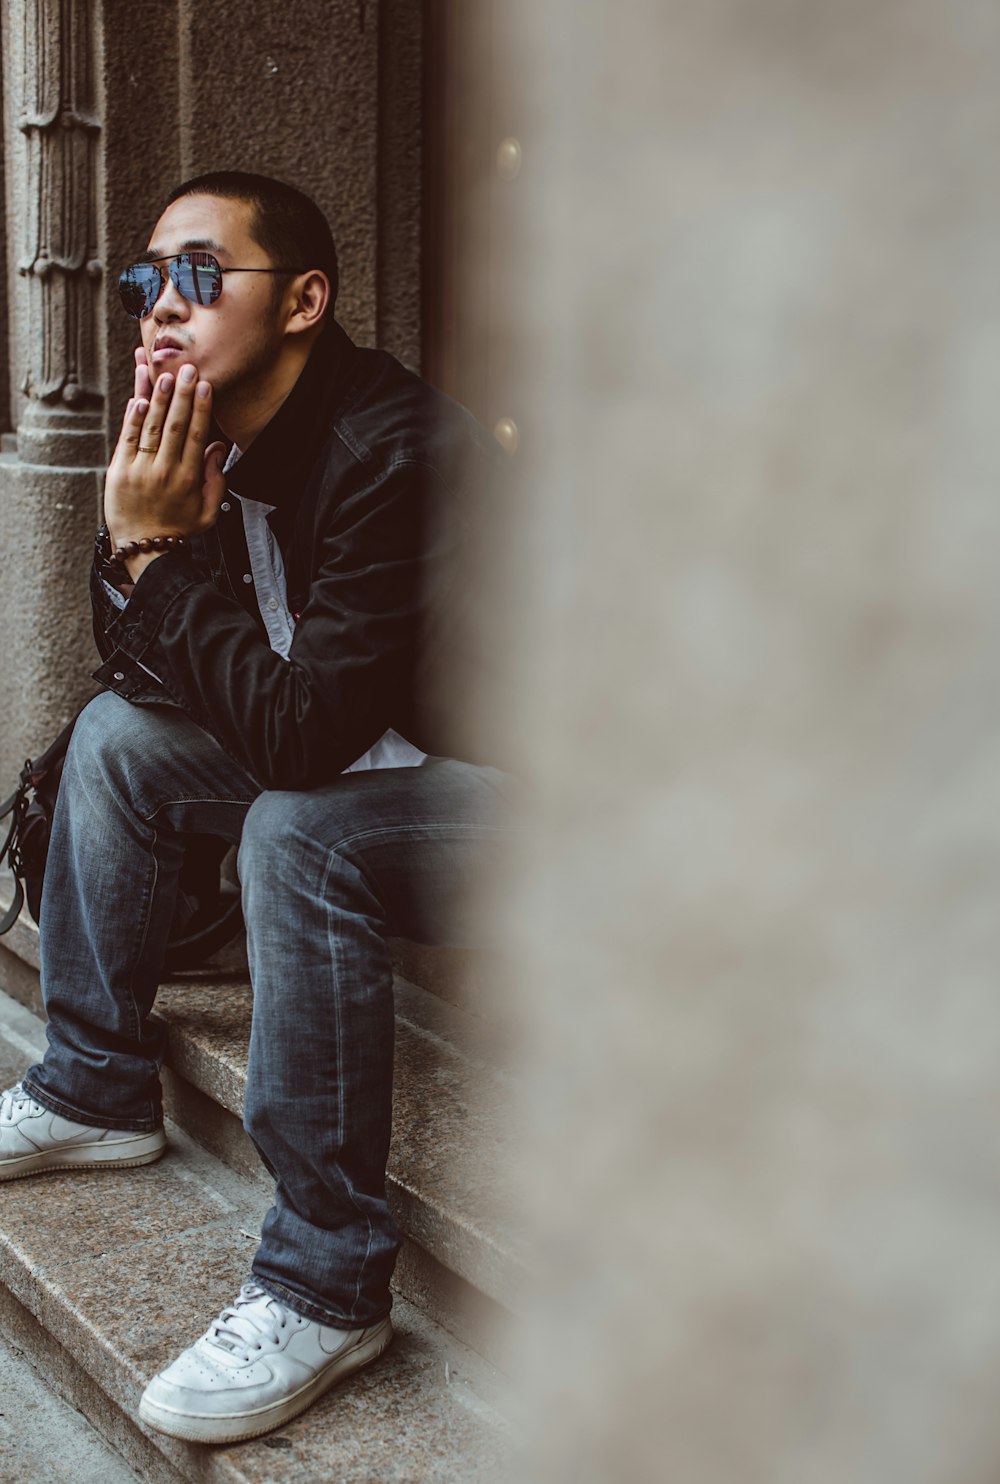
(196, 799)
(76, 1115)
(146, 915)
(461, 826)
(312, 1311)
(341, 1132)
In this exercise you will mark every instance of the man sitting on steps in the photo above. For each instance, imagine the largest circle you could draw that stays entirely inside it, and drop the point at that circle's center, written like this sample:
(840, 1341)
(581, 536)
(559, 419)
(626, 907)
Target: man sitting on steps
(279, 616)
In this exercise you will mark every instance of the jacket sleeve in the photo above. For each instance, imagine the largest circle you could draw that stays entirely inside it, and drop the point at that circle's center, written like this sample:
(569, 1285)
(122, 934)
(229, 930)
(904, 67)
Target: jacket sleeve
(102, 605)
(296, 723)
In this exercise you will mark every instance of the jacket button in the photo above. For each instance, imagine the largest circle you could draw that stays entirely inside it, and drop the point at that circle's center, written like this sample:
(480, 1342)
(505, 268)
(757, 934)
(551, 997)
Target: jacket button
(119, 674)
(272, 603)
(247, 577)
(225, 505)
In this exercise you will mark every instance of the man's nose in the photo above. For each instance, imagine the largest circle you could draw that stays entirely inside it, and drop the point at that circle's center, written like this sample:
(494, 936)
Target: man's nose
(171, 305)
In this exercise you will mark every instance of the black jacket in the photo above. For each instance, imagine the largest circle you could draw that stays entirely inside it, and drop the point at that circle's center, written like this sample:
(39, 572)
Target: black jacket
(379, 482)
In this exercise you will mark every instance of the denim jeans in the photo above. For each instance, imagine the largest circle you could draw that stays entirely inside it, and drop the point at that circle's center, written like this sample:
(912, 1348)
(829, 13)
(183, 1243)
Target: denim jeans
(326, 876)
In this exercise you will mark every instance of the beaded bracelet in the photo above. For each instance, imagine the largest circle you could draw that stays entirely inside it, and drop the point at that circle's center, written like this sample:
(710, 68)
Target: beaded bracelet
(147, 543)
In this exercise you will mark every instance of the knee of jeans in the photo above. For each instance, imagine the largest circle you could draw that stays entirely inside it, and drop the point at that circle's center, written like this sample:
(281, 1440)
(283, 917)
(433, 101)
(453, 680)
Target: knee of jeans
(280, 822)
(262, 829)
(119, 751)
(105, 731)
(289, 837)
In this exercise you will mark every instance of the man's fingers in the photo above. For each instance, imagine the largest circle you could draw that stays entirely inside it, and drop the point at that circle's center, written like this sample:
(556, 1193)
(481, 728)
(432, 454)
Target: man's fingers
(132, 426)
(178, 417)
(199, 428)
(142, 384)
(159, 409)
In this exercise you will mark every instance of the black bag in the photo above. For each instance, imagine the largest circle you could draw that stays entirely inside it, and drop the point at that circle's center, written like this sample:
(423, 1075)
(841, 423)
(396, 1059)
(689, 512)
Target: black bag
(207, 916)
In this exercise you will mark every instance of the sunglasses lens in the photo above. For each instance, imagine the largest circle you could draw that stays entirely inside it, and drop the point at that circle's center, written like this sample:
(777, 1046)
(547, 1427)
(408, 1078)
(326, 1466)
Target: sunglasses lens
(139, 288)
(197, 276)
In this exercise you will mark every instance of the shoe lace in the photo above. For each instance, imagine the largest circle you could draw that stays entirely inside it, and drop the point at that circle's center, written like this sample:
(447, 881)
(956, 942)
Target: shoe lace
(251, 1322)
(12, 1099)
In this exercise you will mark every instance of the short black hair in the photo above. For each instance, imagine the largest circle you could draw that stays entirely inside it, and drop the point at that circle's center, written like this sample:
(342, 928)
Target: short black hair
(287, 223)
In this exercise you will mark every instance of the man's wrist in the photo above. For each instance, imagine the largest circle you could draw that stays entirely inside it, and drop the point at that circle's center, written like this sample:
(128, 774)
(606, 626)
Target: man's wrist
(133, 556)
(134, 565)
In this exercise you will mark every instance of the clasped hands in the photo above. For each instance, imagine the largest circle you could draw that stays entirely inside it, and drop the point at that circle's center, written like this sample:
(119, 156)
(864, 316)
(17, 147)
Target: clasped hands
(164, 478)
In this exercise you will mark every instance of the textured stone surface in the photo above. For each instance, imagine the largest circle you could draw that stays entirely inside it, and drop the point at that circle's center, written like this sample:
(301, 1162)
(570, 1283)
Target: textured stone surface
(215, 1128)
(470, 978)
(449, 1162)
(48, 650)
(6, 421)
(400, 178)
(68, 1379)
(43, 1440)
(209, 1036)
(123, 1272)
(21, 981)
(460, 1308)
(22, 939)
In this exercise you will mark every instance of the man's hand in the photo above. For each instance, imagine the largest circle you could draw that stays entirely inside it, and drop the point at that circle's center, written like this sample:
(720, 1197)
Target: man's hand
(162, 479)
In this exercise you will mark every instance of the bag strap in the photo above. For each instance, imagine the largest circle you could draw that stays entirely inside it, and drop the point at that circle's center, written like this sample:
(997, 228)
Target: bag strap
(13, 911)
(15, 807)
(32, 774)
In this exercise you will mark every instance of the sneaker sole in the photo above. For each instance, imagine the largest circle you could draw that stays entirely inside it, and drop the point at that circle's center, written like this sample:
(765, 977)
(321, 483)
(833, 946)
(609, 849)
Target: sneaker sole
(233, 1427)
(122, 1154)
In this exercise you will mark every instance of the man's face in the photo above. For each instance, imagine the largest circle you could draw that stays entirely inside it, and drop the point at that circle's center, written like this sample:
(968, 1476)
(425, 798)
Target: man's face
(235, 341)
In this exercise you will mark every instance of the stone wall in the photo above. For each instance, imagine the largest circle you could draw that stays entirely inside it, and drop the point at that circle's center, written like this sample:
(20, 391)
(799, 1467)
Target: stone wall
(105, 109)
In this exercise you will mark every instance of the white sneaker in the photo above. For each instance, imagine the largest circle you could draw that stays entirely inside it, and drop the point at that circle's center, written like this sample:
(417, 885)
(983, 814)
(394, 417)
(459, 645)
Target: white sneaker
(255, 1368)
(32, 1140)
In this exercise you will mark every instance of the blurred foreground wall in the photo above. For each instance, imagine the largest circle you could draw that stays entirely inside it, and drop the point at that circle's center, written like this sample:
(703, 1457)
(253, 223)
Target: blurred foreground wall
(757, 703)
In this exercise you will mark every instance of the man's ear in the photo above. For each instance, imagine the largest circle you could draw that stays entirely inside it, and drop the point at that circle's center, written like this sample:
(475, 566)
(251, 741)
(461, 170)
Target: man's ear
(309, 296)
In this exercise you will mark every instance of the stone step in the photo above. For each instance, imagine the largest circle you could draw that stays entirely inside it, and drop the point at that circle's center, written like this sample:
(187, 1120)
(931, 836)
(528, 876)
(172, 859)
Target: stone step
(448, 1174)
(106, 1275)
(467, 978)
(44, 1440)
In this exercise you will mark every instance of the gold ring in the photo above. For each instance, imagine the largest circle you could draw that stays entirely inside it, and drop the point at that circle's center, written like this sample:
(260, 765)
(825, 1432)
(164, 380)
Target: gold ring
(148, 450)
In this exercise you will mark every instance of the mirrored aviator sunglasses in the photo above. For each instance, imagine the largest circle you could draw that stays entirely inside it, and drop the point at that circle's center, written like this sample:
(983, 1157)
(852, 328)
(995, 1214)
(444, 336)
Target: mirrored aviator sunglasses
(195, 275)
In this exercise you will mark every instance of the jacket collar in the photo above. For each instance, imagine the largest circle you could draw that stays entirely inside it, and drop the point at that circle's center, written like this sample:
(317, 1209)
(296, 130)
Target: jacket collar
(277, 463)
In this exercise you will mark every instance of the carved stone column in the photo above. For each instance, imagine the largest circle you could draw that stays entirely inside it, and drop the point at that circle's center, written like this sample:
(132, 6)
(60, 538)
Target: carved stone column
(59, 260)
(50, 471)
